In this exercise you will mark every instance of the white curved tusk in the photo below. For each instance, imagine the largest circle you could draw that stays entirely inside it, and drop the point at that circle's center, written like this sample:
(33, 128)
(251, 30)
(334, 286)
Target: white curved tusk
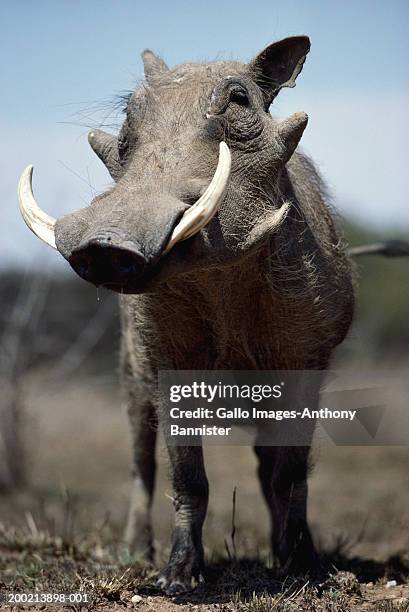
(199, 215)
(37, 220)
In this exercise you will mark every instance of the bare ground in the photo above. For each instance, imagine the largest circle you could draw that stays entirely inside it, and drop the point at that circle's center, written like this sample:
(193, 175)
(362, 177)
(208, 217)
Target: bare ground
(63, 532)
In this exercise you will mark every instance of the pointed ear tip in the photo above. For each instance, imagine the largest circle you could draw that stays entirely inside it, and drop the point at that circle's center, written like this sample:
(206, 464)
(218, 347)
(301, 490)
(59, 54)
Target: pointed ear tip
(153, 64)
(302, 42)
(304, 39)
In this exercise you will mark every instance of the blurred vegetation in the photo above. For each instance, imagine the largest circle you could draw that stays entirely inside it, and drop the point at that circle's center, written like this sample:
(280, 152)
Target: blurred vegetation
(382, 295)
(78, 327)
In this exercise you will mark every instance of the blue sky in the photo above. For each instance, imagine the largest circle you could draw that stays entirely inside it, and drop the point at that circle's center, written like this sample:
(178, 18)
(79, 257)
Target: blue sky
(62, 60)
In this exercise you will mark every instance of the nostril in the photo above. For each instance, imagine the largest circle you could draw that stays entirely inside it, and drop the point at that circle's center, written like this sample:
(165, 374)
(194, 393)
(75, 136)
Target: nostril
(107, 265)
(81, 264)
(129, 264)
(83, 268)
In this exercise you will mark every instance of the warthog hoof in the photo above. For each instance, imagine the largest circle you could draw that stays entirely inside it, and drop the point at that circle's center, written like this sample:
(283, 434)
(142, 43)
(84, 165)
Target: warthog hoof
(185, 565)
(172, 588)
(298, 555)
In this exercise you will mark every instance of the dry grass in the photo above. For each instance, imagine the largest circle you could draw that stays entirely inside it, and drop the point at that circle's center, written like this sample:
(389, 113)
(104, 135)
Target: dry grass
(34, 559)
(64, 533)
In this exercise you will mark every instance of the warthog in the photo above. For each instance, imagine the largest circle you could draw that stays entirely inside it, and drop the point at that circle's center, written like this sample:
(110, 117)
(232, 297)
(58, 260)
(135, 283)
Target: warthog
(218, 236)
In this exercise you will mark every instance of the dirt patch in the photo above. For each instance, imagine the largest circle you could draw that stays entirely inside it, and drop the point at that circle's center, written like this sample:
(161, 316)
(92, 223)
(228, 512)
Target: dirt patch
(38, 562)
(64, 530)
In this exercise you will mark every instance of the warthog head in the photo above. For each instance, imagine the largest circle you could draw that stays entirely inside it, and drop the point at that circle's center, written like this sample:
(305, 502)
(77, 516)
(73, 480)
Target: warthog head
(196, 167)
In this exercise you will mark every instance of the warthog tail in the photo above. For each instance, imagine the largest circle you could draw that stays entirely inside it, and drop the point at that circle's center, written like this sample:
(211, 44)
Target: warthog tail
(388, 248)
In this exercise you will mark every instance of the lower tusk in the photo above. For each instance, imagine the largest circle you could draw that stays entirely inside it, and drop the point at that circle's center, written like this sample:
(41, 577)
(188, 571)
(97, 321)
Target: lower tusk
(41, 224)
(199, 215)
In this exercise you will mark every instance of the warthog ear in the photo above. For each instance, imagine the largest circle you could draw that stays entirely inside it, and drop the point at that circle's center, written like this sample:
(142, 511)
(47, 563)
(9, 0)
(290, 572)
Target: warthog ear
(152, 64)
(279, 64)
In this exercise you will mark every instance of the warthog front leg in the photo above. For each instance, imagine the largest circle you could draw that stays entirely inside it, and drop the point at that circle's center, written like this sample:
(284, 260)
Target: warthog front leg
(190, 499)
(283, 477)
(138, 534)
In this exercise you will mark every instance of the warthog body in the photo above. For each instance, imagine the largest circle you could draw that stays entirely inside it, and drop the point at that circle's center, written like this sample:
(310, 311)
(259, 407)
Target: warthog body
(266, 284)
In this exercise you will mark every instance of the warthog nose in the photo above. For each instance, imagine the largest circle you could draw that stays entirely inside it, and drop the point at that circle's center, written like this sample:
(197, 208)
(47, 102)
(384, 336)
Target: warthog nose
(102, 263)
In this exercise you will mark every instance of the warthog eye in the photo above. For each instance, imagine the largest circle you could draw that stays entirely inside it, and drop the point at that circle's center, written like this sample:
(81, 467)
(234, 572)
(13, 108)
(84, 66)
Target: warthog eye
(122, 146)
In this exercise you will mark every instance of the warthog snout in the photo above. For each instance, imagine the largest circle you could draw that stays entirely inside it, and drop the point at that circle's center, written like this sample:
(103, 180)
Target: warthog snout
(120, 238)
(119, 244)
(101, 262)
